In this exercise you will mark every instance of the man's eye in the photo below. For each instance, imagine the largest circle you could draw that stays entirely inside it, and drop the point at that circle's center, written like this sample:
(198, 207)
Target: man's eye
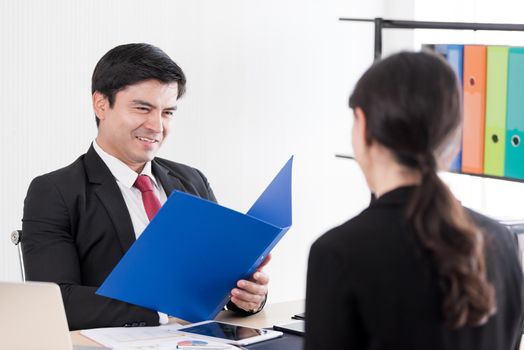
(169, 114)
(142, 109)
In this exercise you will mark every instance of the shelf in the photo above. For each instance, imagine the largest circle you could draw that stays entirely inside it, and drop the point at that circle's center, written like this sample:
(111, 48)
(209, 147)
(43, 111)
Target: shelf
(501, 178)
(381, 23)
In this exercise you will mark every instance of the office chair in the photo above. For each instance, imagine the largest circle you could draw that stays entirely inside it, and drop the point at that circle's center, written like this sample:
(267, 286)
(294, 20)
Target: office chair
(16, 238)
(516, 227)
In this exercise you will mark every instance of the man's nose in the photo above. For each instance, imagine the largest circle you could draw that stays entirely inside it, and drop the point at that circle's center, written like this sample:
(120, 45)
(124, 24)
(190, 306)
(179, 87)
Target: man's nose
(154, 122)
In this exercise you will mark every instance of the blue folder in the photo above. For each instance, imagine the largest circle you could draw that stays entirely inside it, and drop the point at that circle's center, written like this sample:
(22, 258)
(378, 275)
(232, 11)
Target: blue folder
(194, 251)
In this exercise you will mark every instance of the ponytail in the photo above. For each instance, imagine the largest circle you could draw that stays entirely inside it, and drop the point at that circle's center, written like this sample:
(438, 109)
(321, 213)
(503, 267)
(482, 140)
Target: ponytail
(456, 246)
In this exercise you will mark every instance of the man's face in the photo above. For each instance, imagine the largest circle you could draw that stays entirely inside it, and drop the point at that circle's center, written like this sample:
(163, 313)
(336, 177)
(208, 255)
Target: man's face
(135, 127)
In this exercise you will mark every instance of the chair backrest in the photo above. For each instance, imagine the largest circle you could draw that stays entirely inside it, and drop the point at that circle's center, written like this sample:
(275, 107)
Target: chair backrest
(516, 227)
(16, 238)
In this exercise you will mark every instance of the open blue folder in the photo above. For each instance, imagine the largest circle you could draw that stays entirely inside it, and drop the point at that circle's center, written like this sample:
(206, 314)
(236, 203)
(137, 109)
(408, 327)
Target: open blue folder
(194, 251)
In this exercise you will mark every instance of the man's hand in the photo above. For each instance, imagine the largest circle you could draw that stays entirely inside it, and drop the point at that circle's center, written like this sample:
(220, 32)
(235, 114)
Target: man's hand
(251, 295)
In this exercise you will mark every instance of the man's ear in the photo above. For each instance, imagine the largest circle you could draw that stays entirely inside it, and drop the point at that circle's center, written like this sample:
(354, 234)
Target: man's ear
(100, 105)
(360, 119)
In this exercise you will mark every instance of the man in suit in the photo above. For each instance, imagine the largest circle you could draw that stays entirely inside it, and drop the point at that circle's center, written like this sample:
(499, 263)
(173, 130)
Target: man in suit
(80, 220)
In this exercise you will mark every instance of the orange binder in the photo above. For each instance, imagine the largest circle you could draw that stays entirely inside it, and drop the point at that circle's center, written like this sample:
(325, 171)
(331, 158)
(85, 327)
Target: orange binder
(474, 109)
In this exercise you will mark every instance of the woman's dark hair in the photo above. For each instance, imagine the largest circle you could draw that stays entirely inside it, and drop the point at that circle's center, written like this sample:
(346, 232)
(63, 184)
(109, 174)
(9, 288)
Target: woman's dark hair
(412, 105)
(129, 64)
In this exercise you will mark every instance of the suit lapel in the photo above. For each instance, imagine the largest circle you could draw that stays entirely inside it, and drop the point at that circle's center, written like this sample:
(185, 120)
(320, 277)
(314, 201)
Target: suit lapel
(111, 198)
(168, 180)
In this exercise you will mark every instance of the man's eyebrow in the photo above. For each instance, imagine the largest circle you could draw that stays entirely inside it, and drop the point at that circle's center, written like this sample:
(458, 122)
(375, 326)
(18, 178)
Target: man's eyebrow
(145, 103)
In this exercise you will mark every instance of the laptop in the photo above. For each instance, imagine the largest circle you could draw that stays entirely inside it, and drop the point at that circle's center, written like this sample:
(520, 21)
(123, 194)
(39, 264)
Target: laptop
(33, 317)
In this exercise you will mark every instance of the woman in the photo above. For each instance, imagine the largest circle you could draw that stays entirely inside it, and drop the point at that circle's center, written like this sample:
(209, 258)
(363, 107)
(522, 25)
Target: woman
(415, 270)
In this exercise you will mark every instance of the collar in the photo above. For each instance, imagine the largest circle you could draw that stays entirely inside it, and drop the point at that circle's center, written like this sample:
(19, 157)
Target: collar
(122, 173)
(399, 195)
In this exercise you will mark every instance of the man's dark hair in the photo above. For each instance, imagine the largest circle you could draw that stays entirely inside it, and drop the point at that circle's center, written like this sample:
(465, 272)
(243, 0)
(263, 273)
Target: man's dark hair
(129, 64)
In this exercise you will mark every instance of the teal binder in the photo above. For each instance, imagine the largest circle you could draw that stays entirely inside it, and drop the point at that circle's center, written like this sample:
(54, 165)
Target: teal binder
(194, 251)
(514, 159)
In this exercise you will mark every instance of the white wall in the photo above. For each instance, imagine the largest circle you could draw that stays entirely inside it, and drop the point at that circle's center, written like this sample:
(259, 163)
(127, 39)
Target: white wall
(266, 79)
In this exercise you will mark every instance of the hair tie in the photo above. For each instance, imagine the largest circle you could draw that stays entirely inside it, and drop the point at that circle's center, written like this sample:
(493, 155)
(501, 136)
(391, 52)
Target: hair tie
(426, 163)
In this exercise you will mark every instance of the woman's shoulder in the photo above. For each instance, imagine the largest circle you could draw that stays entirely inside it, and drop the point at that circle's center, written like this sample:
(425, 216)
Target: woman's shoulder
(362, 232)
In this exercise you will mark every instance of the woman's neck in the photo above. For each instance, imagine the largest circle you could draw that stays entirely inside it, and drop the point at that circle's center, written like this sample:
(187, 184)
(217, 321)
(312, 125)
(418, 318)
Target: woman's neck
(385, 174)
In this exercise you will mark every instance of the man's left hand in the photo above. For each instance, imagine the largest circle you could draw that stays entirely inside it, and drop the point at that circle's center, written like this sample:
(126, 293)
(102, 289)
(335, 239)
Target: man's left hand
(251, 295)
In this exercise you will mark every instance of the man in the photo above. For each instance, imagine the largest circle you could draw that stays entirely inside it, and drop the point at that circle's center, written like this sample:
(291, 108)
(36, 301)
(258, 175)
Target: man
(80, 220)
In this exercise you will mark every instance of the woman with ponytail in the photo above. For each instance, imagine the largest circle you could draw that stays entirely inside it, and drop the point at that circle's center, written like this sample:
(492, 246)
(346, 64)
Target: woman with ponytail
(415, 270)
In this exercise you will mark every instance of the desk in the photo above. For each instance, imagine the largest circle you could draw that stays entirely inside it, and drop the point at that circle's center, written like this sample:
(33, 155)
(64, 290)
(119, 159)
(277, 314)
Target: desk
(272, 314)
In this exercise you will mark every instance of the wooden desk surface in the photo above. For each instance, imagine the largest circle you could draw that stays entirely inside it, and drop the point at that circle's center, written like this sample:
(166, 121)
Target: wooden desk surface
(272, 314)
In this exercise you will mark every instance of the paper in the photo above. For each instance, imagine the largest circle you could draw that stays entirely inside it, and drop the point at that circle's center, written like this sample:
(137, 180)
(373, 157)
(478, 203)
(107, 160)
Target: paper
(164, 337)
(194, 251)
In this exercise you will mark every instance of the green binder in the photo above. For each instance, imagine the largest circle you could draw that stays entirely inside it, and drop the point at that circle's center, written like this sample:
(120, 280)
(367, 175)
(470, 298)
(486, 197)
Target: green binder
(496, 93)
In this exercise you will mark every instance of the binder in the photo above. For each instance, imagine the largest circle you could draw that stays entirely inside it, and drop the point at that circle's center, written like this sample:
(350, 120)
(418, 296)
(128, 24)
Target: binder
(496, 99)
(455, 57)
(193, 252)
(474, 109)
(514, 159)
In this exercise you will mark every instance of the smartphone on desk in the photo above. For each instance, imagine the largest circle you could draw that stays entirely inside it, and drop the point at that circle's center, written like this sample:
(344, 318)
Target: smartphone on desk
(301, 316)
(297, 328)
(229, 333)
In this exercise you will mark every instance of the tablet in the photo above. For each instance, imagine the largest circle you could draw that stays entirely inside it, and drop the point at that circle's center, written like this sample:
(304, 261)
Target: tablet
(229, 333)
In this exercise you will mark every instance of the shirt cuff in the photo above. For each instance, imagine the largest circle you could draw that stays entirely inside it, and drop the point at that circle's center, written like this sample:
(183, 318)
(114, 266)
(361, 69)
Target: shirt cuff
(162, 318)
(233, 307)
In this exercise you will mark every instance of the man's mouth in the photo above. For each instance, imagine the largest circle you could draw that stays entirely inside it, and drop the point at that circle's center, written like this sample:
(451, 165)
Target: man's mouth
(146, 139)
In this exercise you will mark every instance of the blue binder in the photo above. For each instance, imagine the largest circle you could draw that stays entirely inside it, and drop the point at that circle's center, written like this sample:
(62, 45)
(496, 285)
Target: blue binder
(194, 251)
(454, 54)
(514, 150)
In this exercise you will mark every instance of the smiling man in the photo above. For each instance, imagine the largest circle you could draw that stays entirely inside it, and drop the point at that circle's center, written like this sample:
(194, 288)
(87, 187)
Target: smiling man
(80, 220)
(135, 126)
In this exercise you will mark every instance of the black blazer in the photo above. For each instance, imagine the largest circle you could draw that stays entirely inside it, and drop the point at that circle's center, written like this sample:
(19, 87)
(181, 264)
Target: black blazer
(76, 227)
(371, 286)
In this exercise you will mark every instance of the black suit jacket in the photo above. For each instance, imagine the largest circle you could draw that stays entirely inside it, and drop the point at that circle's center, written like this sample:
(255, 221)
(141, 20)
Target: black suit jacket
(76, 227)
(370, 285)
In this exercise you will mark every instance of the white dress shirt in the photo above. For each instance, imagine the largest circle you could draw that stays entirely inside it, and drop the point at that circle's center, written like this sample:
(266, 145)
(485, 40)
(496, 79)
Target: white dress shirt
(125, 178)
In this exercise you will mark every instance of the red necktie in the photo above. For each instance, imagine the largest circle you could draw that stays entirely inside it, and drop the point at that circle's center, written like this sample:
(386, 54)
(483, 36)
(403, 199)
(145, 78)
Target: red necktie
(150, 200)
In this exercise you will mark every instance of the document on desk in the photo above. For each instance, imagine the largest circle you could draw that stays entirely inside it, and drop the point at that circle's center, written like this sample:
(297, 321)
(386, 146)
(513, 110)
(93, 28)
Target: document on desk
(159, 338)
(194, 251)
